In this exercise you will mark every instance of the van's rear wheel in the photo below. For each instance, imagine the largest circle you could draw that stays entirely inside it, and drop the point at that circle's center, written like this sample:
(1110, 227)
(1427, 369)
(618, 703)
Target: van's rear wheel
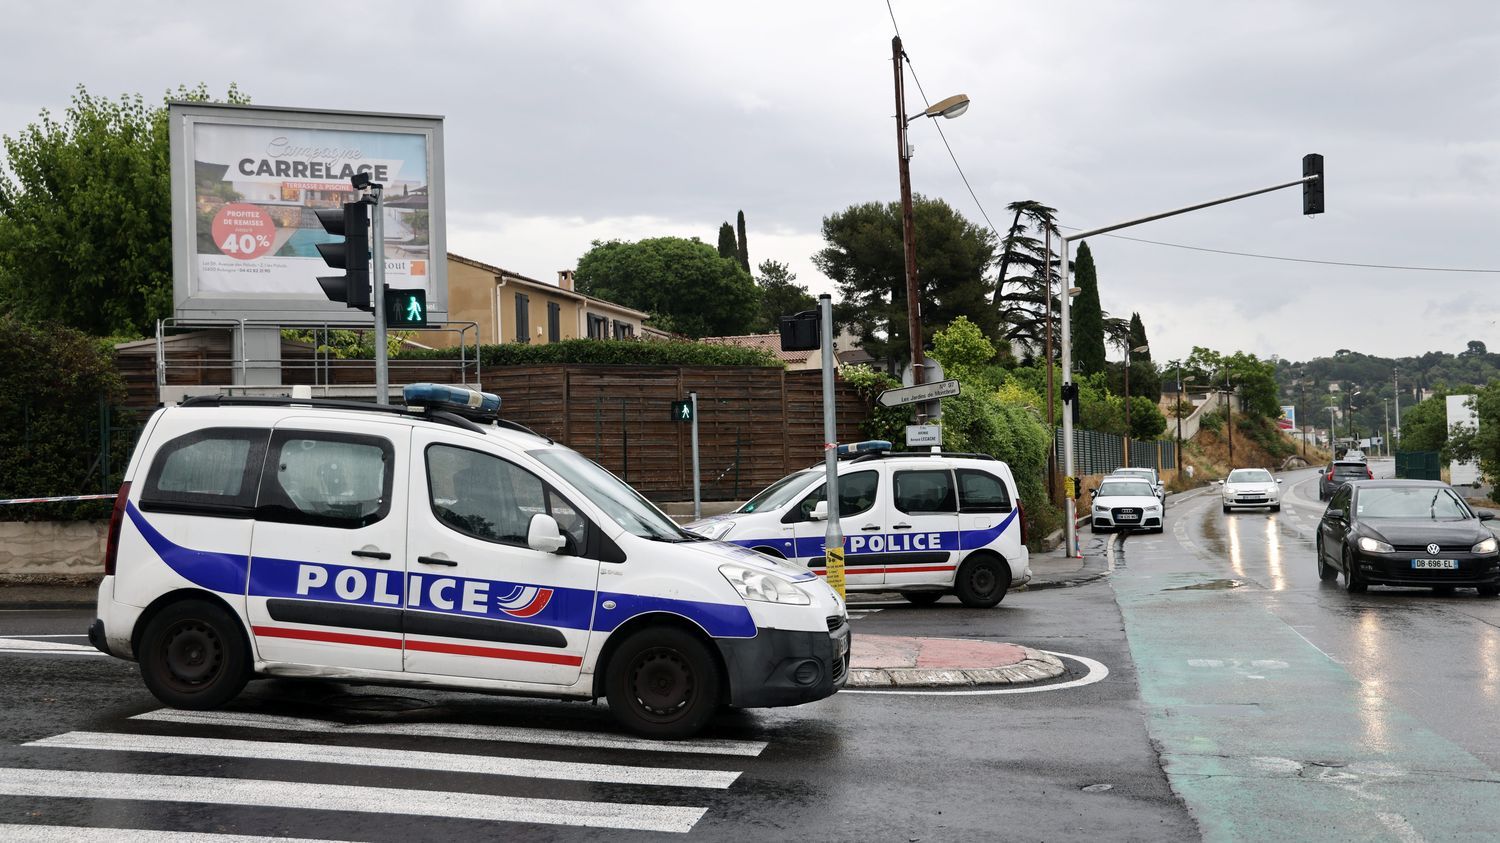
(663, 683)
(981, 582)
(194, 655)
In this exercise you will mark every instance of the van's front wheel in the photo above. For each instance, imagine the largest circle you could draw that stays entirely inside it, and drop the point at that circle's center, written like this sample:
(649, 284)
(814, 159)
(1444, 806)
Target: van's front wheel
(194, 655)
(663, 683)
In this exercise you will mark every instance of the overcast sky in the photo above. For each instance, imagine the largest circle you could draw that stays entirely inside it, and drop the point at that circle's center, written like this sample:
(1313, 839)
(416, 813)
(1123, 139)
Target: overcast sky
(573, 121)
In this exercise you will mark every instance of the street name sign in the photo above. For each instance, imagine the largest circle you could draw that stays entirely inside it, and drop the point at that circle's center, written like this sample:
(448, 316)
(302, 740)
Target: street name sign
(918, 435)
(918, 394)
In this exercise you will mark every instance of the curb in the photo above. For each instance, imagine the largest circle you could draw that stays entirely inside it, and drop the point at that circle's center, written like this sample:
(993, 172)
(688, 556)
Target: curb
(48, 605)
(1036, 667)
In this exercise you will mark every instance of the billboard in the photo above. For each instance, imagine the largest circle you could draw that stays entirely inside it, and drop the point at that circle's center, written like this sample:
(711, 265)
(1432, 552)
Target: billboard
(246, 182)
(1288, 418)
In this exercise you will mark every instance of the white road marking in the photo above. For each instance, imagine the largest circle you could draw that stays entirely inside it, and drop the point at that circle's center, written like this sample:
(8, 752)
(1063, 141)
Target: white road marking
(1097, 673)
(1399, 827)
(1314, 646)
(855, 614)
(258, 793)
(27, 645)
(459, 731)
(54, 635)
(393, 758)
(24, 833)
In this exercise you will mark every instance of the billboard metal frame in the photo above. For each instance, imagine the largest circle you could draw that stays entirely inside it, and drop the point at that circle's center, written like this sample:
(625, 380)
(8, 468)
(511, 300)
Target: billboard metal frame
(189, 302)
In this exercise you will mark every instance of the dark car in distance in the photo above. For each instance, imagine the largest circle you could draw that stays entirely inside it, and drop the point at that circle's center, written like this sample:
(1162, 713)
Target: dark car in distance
(1407, 533)
(1340, 472)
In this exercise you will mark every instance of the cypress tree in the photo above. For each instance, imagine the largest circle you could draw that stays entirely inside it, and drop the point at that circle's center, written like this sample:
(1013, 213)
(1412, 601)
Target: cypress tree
(1088, 316)
(1145, 381)
(727, 247)
(742, 249)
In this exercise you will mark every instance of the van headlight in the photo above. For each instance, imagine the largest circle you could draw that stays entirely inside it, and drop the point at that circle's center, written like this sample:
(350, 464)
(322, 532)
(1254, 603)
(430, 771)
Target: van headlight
(762, 586)
(714, 529)
(1370, 545)
(1487, 546)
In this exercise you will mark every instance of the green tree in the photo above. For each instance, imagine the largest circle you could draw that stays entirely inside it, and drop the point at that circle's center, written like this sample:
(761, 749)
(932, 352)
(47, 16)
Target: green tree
(683, 284)
(864, 257)
(1023, 294)
(967, 355)
(780, 295)
(727, 247)
(1146, 419)
(86, 215)
(1145, 380)
(1088, 316)
(1480, 443)
(1424, 427)
(742, 249)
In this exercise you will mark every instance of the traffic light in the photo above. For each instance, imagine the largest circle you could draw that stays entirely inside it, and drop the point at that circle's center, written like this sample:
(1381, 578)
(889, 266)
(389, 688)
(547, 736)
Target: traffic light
(800, 332)
(353, 255)
(405, 308)
(1070, 397)
(1312, 191)
(682, 411)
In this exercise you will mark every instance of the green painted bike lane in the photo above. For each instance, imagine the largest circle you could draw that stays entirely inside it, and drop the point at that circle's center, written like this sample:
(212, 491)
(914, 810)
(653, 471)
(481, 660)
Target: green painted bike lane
(1267, 738)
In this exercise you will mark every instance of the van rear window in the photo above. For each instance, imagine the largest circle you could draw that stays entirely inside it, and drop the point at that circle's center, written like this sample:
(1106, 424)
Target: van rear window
(215, 471)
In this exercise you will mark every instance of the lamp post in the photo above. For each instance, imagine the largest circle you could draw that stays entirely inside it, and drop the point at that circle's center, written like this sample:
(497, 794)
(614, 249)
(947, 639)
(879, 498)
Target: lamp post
(1332, 420)
(1051, 418)
(1349, 409)
(1229, 416)
(1177, 411)
(948, 109)
(1387, 403)
(1128, 350)
(1396, 384)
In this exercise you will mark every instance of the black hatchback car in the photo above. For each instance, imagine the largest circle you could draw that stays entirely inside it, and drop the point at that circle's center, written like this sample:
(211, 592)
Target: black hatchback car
(1409, 533)
(1341, 472)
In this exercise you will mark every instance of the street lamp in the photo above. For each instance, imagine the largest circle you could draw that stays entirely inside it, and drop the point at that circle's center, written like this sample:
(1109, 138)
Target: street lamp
(1349, 409)
(1138, 349)
(1332, 432)
(948, 109)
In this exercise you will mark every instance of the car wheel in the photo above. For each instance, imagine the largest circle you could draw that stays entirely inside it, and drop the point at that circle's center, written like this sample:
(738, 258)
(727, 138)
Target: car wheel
(194, 655)
(981, 582)
(663, 683)
(1326, 572)
(1275, 507)
(1489, 591)
(1096, 528)
(922, 598)
(1226, 510)
(1353, 583)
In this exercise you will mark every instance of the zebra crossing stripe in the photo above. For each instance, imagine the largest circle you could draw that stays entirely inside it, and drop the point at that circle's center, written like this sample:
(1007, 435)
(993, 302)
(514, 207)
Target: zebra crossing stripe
(26, 833)
(393, 758)
(259, 793)
(458, 731)
(32, 645)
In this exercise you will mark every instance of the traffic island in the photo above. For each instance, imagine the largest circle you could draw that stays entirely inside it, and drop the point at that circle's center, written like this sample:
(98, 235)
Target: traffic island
(898, 661)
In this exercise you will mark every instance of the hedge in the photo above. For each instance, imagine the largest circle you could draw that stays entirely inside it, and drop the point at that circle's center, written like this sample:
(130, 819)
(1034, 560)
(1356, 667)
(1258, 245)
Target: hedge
(609, 353)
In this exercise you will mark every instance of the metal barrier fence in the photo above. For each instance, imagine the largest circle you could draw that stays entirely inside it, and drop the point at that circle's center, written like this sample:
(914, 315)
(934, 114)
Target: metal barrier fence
(1100, 453)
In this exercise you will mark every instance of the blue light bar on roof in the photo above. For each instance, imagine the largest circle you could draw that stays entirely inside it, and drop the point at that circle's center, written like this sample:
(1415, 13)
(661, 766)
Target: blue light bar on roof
(867, 446)
(436, 396)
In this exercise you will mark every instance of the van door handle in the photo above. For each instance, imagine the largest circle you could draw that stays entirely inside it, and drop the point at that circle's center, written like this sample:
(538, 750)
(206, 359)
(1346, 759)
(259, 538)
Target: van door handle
(430, 560)
(870, 527)
(901, 526)
(370, 554)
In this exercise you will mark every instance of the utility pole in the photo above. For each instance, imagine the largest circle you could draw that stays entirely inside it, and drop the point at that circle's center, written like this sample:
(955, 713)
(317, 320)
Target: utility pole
(377, 258)
(833, 536)
(1396, 382)
(1177, 411)
(908, 229)
(1051, 424)
(1229, 410)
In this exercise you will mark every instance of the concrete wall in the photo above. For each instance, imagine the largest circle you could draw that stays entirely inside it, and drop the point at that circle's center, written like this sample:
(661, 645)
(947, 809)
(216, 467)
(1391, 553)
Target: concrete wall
(52, 547)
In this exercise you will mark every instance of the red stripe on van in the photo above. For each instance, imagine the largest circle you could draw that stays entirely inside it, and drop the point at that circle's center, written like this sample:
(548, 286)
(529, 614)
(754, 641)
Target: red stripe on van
(328, 637)
(493, 653)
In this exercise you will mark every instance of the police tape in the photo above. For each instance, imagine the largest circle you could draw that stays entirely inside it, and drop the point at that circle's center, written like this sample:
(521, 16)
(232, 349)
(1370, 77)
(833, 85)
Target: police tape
(63, 499)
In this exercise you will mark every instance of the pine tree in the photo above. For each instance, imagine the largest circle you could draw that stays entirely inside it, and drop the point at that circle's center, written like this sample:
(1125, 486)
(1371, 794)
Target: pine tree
(742, 250)
(1088, 316)
(727, 247)
(1021, 299)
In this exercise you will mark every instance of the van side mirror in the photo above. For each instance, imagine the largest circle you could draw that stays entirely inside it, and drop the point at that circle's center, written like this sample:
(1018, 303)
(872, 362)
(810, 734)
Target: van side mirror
(542, 534)
(819, 512)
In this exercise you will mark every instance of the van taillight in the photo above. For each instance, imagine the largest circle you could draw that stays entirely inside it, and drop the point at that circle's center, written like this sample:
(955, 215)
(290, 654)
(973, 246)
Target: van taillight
(116, 516)
(1021, 514)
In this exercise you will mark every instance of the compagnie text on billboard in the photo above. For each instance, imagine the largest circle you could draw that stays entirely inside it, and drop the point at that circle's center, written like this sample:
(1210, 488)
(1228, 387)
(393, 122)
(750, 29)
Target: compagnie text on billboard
(256, 188)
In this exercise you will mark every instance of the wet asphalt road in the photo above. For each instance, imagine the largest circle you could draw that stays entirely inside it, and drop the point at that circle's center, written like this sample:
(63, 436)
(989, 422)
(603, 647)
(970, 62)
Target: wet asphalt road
(1285, 706)
(858, 766)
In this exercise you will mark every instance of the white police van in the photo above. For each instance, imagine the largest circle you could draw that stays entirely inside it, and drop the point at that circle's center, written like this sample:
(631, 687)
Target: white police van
(438, 545)
(920, 524)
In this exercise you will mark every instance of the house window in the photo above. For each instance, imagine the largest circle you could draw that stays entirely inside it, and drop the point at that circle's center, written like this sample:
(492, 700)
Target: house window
(598, 327)
(554, 321)
(523, 318)
(624, 330)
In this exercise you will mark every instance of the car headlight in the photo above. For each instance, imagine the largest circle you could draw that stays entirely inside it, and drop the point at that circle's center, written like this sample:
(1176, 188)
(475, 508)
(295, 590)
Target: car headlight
(1489, 545)
(1154, 508)
(714, 530)
(1099, 507)
(1370, 545)
(762, 586)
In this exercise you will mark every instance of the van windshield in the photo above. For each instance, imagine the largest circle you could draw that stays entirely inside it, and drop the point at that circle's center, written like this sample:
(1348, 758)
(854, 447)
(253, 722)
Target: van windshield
(620, 502)
(782, 492)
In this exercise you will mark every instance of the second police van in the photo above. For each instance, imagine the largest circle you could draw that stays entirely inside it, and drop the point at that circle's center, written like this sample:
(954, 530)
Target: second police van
(441, 547)
(920, 524)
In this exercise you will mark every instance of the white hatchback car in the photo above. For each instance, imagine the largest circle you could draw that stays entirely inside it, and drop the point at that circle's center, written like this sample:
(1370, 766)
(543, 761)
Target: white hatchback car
(1126, 503)
(1251, 488)
(920, 524)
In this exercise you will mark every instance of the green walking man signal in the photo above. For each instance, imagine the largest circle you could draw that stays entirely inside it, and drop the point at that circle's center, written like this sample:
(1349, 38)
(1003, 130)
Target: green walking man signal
(406, 308)
(682, 411)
